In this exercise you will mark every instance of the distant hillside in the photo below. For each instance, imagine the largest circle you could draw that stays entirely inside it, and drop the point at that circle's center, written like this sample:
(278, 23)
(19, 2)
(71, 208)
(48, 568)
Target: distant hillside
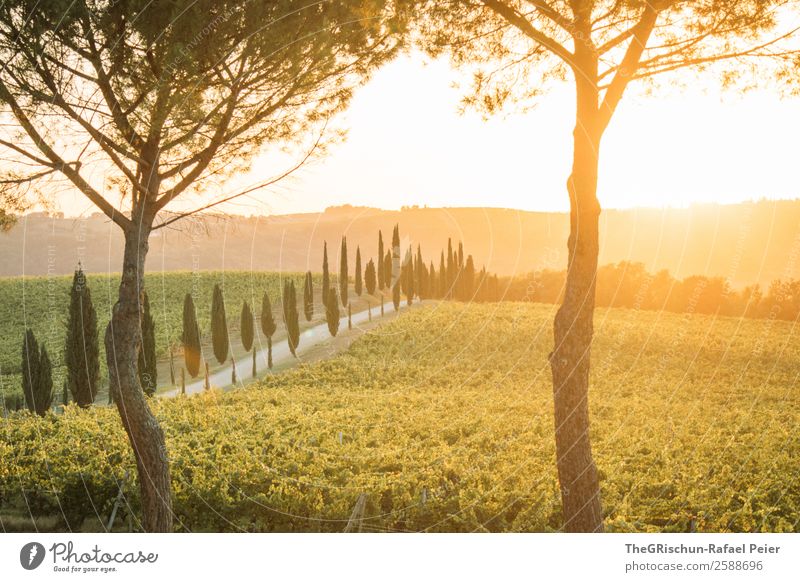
(750, 242)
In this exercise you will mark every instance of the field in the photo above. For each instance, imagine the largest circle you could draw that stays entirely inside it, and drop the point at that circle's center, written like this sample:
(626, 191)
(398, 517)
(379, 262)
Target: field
(41, 303)
(443, 419)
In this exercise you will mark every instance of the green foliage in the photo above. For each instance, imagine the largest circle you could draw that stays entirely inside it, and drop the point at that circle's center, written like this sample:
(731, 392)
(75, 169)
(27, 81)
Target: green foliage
(308, 296)
(82, 349)
(290, 316)
(191, 337)
(148, 371)
(369, 277)
(343, 276)
(37, 375)
(446, 400)
(332, 312)
(268, 325)
(219, 326)
(246, 327)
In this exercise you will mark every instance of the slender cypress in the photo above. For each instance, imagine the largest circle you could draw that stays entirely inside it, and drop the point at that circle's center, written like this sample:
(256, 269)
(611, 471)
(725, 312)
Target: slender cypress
(442, 278)
(468, 284)
(246, 327)
(358, 281)
(148, 371)
(343, 277)
(37, 375)
(432, 289)
(332, 312)
(191, 337)
(369, 277)
(219, 326)
(387, 269)
(81, 349)
(291, 316)
(268, 326)
(381, 275)
(396, 254)
(326, 278)
(308, 297)
(396, 296)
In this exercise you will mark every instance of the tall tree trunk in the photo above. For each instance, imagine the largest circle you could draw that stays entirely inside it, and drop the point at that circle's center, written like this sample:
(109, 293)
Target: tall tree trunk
(123, 341)
(573, 329)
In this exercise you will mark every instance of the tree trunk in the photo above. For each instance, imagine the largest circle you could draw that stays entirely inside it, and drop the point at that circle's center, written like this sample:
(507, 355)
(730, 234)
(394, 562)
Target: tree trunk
(123, 341)
(569, 361)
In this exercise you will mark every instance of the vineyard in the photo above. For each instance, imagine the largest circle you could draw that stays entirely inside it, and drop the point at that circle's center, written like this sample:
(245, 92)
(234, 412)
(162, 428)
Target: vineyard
(443, 419)
(41, 304)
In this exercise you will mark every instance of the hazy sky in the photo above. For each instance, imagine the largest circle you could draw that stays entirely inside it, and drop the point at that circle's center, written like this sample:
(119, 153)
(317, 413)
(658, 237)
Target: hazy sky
(408, 145)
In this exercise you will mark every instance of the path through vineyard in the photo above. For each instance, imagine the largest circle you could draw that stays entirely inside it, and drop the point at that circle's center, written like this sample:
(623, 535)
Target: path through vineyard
(316, 344)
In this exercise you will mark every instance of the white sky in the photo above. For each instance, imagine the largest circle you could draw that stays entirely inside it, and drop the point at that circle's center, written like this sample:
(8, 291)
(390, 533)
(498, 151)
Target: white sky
(408, 145)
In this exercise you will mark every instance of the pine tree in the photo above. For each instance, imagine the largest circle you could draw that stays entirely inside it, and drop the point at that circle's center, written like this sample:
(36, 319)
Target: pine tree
(381, 274)
(332, 312)
(308, 297)
(191, 337)
(358, 282)
(148, 371)
(246, 327)
(369, 277)
(81, 347)
(343, 277)
(268, 326)
(326, 278)
(32, 375)
(291, 317)
(219, 326)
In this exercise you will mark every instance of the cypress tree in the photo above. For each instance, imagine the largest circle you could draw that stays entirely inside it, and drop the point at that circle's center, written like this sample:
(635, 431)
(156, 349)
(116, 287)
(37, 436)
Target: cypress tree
(268, 326)
(358, 282)
(219, 326)
(387, 269)
(37, 375)
(442, 278)
(148, 371)
(369, 277)
(451, 270)
(44, 397)
(408, 276)
(396, 253)
(191, 337)
(343, 272)
(308, 297)
(381, 279)
(246, 327)
(326, 278)
(81, 347)
(468, 284)
(431, 283)
(396, 296)
(290, 316)
(65, 393)
(459, 282)
(332, 312)
(30, 369)
(420, 274)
